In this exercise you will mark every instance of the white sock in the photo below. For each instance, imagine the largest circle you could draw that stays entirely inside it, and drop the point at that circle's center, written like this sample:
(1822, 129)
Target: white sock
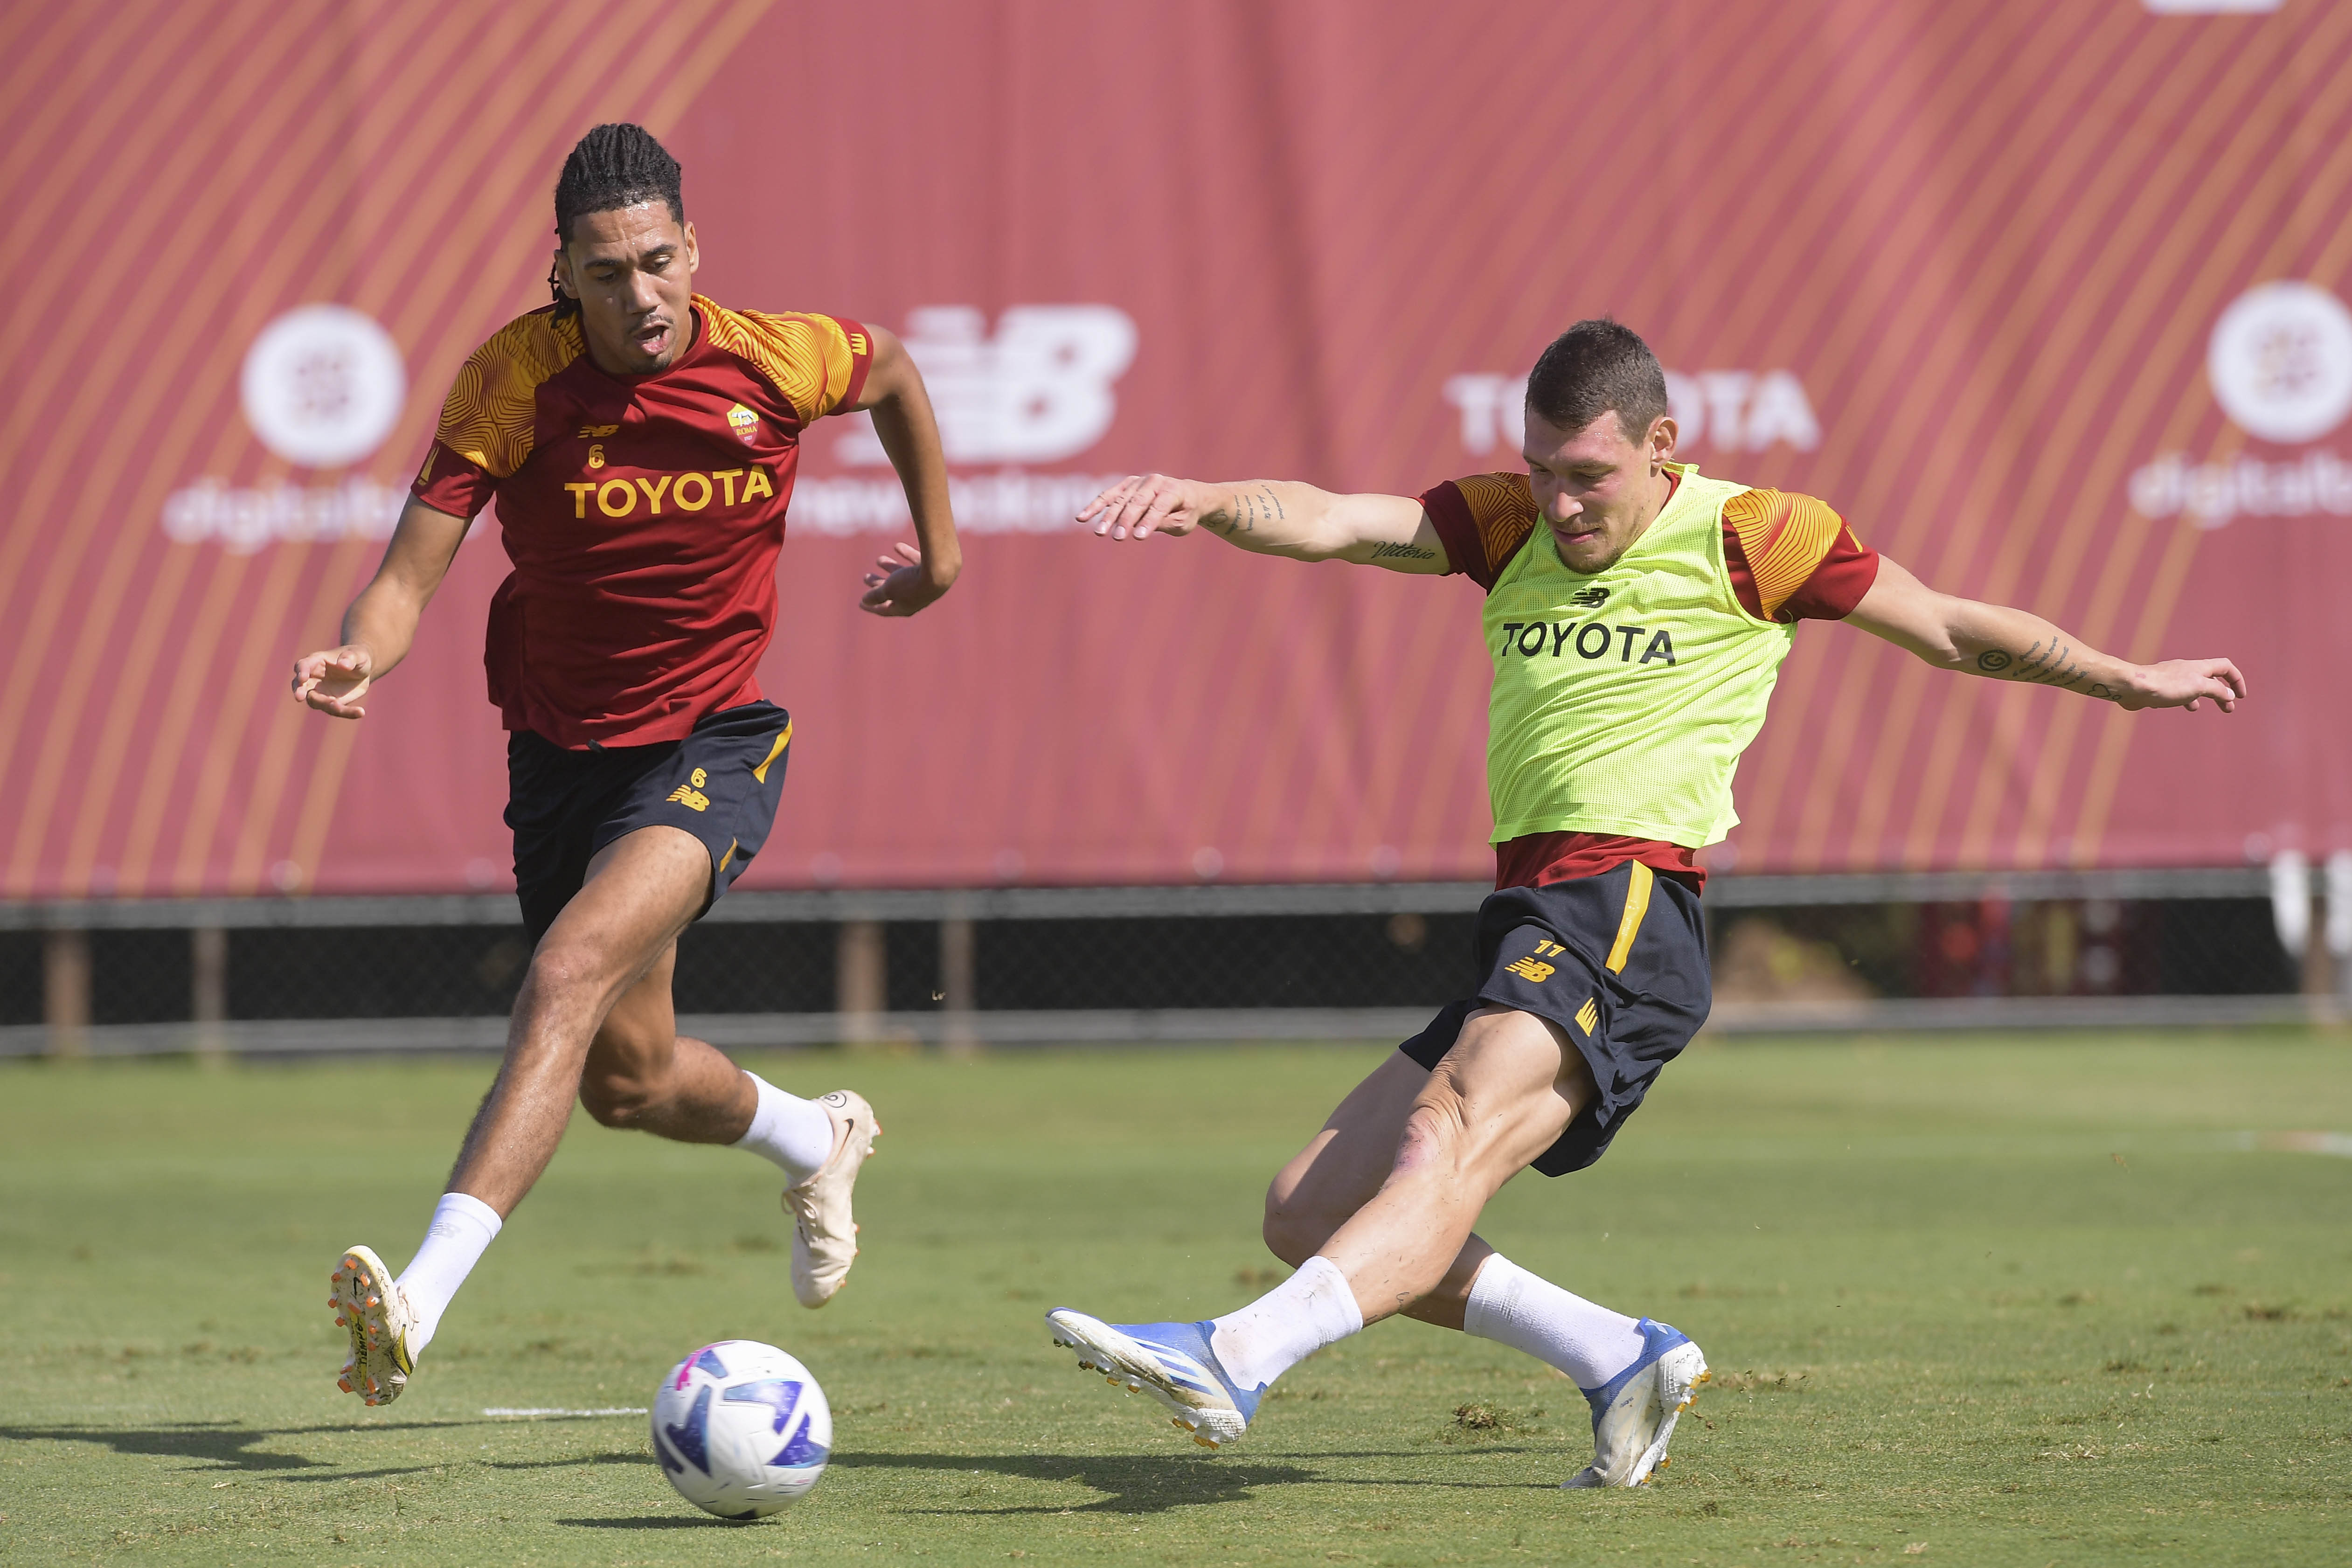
(795, 1133)
(462, 1228)
(1312, 1307)
(1513, 1307)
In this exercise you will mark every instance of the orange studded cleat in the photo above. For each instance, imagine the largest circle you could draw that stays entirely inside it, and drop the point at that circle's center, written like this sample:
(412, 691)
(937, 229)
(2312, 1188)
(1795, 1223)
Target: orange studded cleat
(371, 1310)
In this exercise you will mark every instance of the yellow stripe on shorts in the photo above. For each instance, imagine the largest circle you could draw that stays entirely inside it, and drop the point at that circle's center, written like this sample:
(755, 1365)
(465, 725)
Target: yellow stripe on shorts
(1637, 904)
(761, 773)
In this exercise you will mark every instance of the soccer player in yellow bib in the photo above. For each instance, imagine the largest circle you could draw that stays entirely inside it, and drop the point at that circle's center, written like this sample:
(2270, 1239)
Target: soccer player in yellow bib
(1637, 613)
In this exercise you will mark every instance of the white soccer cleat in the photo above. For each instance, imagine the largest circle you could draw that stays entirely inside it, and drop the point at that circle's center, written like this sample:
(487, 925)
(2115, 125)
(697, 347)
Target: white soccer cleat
(370, 1306)
(1173, 1363)
(1633, 1414)
(825, 1236)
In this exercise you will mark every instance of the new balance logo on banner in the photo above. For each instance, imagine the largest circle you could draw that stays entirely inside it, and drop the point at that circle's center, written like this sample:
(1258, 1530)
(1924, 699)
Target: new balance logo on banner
(1037, 391)
(1040, 389)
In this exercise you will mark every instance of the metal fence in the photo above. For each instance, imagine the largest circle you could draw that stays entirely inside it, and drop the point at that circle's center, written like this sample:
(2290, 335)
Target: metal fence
(971, 967)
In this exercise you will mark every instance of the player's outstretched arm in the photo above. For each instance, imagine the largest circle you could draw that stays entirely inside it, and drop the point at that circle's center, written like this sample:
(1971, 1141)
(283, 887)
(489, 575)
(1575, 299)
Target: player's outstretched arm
(1275, 517)
(911, 575)
(2005, 644)
(381, 625)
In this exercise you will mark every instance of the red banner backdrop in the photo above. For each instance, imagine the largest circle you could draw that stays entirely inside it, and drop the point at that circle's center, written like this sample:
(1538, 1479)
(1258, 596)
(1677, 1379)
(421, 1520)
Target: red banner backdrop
(2043, 298)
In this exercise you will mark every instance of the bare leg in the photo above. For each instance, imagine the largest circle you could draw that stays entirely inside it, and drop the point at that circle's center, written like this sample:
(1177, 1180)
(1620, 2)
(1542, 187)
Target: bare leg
(1339, 1171)
(642, 1073)
(1431, 1159)
(642, 891)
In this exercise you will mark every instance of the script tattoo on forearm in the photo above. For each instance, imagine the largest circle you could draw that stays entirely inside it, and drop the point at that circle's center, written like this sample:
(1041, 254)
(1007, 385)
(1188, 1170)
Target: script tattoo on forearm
(1402, 552)
(2051, 663)
(1245, 511)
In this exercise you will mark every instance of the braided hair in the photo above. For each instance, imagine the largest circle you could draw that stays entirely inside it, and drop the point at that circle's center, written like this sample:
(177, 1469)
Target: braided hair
(613, 166)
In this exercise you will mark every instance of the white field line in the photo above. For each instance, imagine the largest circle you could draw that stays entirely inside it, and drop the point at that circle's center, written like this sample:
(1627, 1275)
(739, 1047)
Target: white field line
(546, 1410)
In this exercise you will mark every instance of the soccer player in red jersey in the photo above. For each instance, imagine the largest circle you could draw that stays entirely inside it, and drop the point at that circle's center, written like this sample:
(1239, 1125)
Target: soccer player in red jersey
(641, 443)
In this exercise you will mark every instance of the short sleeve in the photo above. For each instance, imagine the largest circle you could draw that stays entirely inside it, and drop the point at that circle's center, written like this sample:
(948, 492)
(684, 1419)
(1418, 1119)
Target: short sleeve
(1482, 520)
(1792, 558)
(491, 415)
(817, 363)
(452, 482)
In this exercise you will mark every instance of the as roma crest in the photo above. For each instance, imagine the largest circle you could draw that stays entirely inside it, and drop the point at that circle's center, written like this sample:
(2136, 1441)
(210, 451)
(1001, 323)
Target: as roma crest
(746, 424)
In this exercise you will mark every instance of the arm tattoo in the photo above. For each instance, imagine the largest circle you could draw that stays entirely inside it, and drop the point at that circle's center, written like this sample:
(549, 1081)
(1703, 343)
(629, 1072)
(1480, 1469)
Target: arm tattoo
(1402, 552)
(2052, 663)
(1246, 510)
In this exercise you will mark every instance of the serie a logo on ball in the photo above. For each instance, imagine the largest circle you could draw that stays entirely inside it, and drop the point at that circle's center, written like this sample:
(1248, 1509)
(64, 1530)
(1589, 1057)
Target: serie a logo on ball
(741, 1429)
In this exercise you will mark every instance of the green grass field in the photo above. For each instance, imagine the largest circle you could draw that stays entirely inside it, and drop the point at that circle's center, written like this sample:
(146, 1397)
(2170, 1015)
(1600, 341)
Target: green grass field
(1969, 1301)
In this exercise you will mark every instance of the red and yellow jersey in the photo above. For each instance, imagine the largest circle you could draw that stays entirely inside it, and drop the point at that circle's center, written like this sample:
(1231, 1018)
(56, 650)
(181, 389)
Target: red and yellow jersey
(1785, 558)
(1789, 557)
(642, 513)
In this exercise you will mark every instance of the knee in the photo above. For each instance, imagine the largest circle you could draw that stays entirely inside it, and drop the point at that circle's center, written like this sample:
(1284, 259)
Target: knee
(614, 1098)
(1293, 1231)
(563, 968)
(616, 1088)
(1435, 1133)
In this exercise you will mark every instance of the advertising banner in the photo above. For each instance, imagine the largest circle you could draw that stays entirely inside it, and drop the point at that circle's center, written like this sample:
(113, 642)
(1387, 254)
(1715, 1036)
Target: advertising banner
(2049, 301)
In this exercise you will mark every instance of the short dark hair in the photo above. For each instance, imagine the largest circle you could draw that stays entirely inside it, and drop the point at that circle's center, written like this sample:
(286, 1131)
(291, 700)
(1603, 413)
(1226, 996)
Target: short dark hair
(1598, 367)
(616, 166)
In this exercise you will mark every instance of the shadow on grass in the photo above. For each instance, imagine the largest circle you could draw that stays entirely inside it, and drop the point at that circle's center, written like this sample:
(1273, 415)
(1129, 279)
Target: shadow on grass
(222, 1445)
(613, 1456)
(1131, 1485)
(1137, 1485)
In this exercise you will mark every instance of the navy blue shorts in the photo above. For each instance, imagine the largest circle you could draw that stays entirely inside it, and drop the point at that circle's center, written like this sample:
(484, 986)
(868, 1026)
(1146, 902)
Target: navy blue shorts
(1617, 961)
(720, 784)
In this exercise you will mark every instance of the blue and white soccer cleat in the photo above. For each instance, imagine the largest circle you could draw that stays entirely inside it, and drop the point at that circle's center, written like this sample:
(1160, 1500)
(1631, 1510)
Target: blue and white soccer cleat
(1633, 1413)
(1170, 1362)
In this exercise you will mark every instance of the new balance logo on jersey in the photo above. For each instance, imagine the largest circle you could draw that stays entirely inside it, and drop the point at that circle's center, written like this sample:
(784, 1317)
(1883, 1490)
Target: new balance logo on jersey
(597, 432)
(690, 797)
(1590, 639)
(1589, 598)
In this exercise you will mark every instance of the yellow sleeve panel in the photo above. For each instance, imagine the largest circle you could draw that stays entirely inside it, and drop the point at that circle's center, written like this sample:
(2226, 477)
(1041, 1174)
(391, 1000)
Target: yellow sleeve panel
(1785, 538)
(809, 358)
(1504, 508)
(491, 410)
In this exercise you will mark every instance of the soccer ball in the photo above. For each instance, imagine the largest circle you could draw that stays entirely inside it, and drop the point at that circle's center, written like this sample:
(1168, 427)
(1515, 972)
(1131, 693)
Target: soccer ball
(741, 1429)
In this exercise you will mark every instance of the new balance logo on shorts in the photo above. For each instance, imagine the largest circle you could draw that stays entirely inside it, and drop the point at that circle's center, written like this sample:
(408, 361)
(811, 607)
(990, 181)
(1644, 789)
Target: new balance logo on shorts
(690, 797)
(1588, 1018)
(1532, 967)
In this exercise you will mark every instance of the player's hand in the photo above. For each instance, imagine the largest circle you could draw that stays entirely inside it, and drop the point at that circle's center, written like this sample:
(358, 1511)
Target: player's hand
(1145, 504)
(2184, 683)
(900, 584)
(334, 681)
